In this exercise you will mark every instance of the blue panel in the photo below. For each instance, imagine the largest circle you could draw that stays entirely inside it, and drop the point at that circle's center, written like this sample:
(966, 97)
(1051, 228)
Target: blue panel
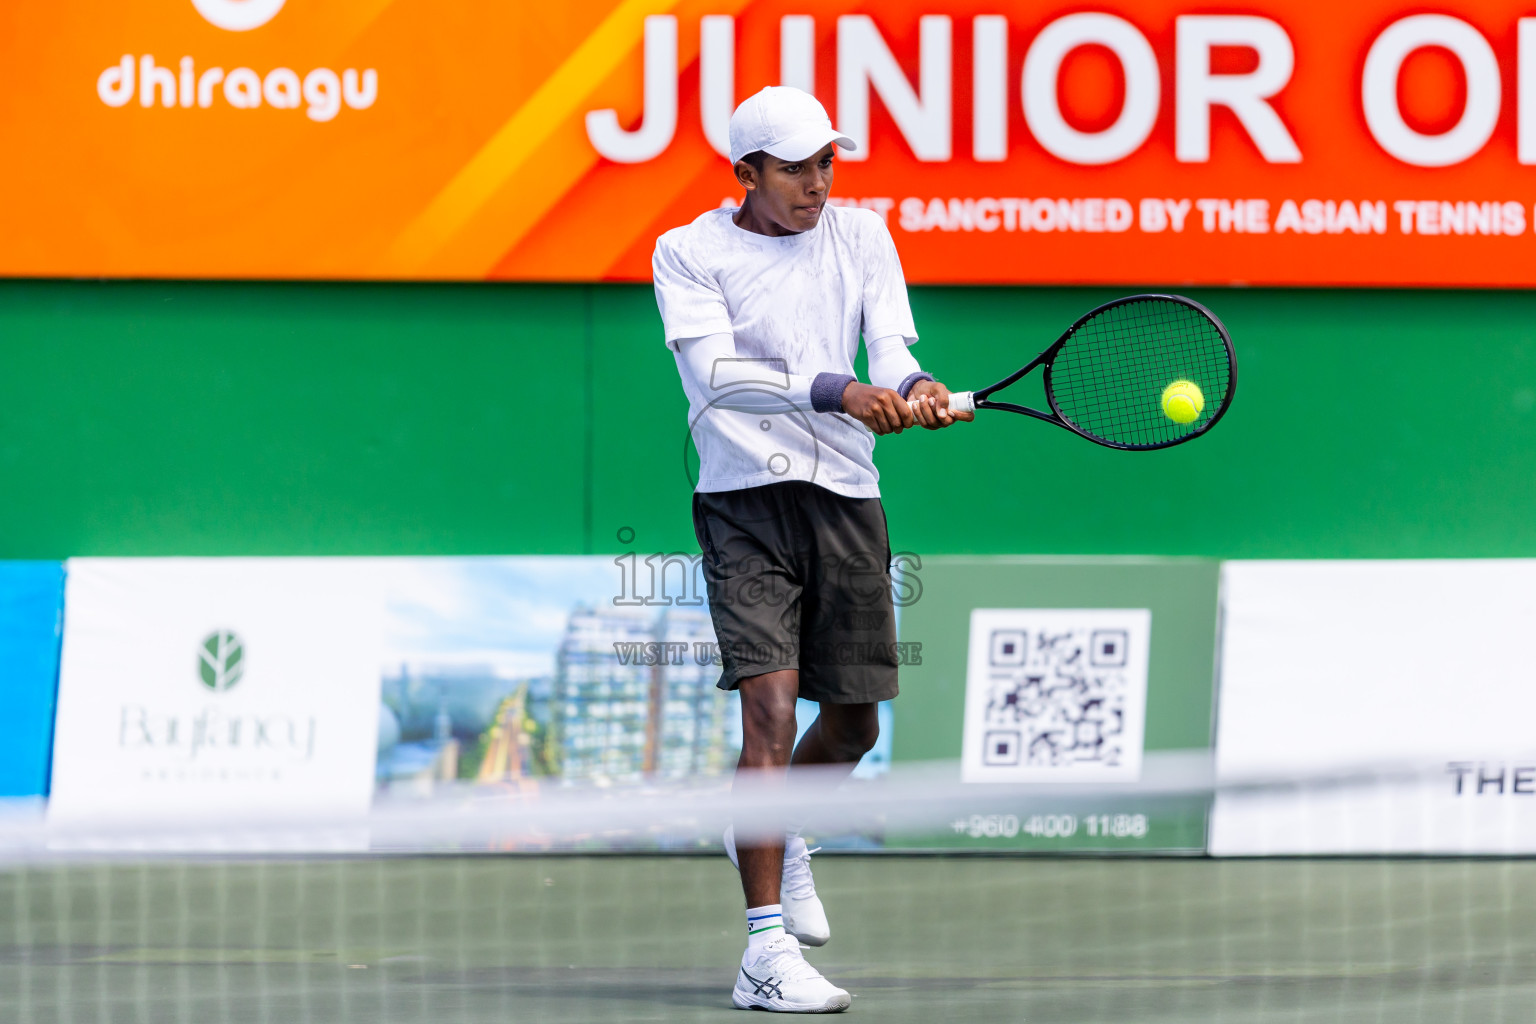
(31, 615)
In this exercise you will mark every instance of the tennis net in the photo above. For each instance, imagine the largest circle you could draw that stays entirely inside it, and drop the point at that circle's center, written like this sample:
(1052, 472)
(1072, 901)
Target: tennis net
(474, 907)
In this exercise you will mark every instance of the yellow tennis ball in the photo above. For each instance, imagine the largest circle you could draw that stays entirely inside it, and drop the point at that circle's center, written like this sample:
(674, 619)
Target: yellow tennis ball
(1183, 401)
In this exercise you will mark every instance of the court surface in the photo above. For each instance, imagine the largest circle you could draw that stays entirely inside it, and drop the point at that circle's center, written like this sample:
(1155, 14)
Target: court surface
(466, 939)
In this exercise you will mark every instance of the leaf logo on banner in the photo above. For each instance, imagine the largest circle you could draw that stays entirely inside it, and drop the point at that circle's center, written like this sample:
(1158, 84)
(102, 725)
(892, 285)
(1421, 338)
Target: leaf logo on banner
(221, 661)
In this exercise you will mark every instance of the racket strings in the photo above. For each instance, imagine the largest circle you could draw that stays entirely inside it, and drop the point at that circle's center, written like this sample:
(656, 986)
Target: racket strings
(1108, 379)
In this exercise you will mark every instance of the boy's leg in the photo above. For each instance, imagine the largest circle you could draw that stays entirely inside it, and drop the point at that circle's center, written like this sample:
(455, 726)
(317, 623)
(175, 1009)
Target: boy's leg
(825, 755)
(774, 974)
(841, 735)
(767, 740)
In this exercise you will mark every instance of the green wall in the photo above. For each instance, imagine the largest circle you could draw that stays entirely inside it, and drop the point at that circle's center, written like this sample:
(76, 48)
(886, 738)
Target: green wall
(153, 418)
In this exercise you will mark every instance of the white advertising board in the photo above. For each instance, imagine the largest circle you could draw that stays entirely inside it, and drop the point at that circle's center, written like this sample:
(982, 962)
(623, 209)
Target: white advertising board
(1055, 695)
(1398, 694)
(214, 691)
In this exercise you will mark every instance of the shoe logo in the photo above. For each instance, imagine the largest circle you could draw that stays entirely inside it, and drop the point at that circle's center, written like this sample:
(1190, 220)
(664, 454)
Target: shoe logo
(765, 986)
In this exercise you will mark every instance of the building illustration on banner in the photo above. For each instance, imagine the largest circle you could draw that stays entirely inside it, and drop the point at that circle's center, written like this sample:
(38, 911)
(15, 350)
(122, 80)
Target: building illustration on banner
(528, 672)
(585, 701)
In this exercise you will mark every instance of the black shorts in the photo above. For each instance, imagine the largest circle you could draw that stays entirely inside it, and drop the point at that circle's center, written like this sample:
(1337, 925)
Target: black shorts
(800, 578)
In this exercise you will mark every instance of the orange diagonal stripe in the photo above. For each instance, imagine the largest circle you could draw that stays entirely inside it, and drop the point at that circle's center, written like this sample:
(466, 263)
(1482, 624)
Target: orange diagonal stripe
(520, 137)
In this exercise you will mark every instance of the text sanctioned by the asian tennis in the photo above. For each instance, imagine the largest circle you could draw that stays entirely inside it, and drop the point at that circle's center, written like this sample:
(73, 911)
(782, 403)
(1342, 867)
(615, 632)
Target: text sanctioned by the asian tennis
(1178, 215)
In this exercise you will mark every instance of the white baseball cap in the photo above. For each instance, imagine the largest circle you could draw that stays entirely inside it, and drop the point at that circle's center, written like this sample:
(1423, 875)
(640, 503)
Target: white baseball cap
(785, 122)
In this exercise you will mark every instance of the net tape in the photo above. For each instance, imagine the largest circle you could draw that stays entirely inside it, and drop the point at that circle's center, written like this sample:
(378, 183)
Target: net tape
(913, 799)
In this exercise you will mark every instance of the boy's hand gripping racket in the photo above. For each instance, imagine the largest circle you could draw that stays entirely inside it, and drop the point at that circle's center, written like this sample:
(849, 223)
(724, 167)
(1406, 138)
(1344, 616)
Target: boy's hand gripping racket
(1138, 373)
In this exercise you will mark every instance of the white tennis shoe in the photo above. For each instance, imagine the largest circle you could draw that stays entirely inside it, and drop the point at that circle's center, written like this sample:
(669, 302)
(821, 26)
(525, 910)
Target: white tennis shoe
(804, 916)
(780, 979)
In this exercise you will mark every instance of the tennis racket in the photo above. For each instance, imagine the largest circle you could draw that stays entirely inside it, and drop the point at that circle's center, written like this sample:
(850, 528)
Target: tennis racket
(1138, 373)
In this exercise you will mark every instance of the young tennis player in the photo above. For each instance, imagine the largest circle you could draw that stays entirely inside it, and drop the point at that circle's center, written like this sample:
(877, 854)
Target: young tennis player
(763, 308)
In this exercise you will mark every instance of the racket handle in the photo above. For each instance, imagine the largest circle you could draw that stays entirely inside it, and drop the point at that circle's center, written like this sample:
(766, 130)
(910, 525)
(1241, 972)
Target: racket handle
(959, 401)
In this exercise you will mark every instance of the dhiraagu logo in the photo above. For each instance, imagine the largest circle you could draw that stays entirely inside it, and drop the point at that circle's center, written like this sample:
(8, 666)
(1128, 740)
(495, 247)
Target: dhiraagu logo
(189, 83)
(238, 15)
(221, 660)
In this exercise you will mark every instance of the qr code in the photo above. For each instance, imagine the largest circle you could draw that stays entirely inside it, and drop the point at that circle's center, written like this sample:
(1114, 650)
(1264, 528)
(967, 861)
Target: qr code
(1056, 698)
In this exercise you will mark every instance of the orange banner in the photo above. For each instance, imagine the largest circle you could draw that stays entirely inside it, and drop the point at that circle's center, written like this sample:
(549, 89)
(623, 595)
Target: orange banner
(1154, 142)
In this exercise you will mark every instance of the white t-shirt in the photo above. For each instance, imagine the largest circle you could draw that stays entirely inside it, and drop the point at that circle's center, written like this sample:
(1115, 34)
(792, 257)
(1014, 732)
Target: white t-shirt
(795, 305)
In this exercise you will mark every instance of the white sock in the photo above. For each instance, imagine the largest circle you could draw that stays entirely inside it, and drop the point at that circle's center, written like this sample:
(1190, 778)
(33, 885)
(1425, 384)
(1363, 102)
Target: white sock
(764, 924)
